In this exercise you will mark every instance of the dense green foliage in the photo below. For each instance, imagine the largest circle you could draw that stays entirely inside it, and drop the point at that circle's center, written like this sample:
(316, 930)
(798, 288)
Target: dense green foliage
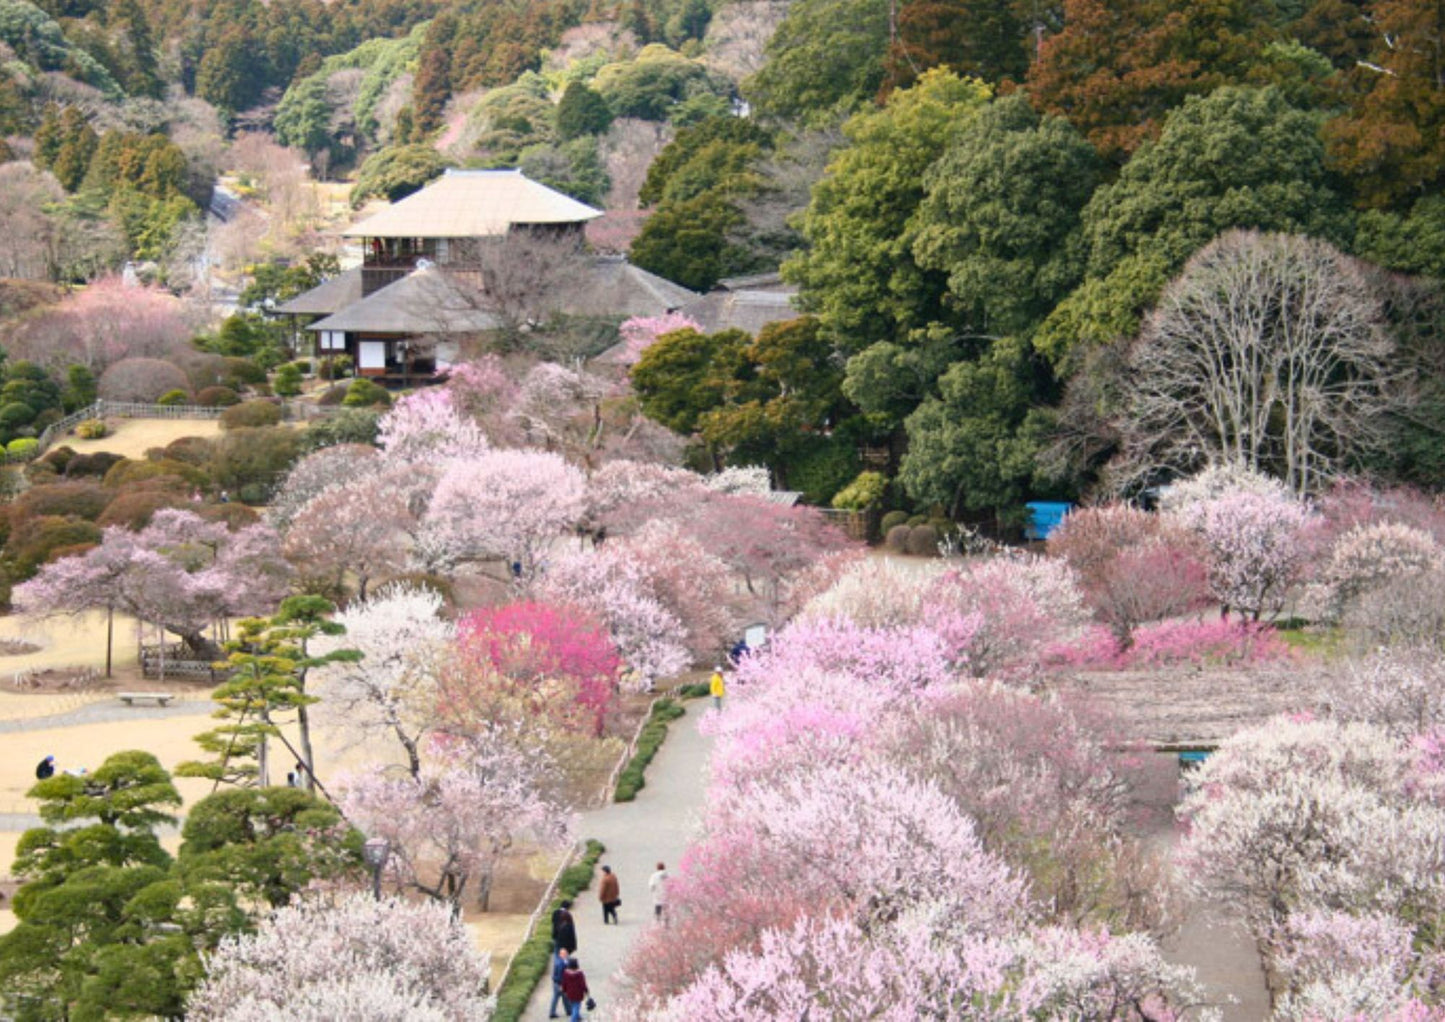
(633, 777)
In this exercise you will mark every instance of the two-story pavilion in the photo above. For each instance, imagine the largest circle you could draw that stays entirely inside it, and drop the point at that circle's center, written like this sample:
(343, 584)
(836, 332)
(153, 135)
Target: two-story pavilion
(417, 296)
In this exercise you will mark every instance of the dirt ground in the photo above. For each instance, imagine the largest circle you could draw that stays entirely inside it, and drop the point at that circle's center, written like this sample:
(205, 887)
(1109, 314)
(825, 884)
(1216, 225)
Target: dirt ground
(133, 437)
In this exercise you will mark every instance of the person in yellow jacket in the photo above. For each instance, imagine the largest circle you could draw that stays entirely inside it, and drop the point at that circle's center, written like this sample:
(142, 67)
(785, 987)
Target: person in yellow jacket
(717, 688)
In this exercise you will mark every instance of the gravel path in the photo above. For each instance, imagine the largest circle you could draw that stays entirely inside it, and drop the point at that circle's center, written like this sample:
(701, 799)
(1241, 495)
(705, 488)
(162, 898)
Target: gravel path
(109, 711)
(656, 827)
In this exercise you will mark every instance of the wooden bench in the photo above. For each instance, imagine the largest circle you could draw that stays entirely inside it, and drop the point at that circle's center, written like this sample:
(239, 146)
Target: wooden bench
(129, 698)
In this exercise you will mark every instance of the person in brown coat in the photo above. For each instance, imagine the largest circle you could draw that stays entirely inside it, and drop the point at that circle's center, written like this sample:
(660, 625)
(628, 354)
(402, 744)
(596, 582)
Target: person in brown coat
(609, 892)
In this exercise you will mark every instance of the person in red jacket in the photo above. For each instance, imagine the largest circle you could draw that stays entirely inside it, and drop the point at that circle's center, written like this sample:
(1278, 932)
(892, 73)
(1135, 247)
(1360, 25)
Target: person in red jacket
(574, 988)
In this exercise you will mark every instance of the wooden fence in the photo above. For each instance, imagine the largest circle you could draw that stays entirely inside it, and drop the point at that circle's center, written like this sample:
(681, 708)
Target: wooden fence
(174, 660)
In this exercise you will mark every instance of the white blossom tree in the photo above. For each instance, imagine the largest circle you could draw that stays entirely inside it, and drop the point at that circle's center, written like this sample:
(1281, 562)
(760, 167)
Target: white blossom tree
(358, 959)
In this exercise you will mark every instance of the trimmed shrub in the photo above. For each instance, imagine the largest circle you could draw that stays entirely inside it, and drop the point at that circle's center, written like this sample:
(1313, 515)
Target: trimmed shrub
(141, 379)
(217, 397)
(917, 520)
(254, 493)
(134, 509)
(633, 779)
(892, 520)
(303, 365)
(97, 464)
(862, 493)
(287, 381)
(349, 426)
(332, 395)
(251, 415)
(63, 500)
(193, 450)
(92, 429)
(236, 516)
(256, 457)
(172, 398)
(36, 540)
(242, 372)
(923, 541)
(22, 447)
(365, 394)
(128, 472)
(334, 367)
(47, 418)
(896, 538)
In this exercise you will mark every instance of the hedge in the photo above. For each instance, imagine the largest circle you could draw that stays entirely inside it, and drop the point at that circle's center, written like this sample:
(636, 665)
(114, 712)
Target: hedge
(532, 959)
(631, 780)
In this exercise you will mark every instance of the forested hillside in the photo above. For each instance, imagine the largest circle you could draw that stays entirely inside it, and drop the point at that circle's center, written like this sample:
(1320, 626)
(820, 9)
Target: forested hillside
(981, 204)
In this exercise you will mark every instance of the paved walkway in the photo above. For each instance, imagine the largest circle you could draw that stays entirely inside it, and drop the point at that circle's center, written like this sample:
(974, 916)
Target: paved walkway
(110, 711)
(656, 827)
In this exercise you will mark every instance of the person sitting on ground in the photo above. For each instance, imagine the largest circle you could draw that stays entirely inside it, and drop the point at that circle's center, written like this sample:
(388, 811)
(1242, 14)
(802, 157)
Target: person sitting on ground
(45, 768)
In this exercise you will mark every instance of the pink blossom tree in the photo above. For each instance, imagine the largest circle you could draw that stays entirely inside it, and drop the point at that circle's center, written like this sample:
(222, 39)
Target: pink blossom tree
(180, 572)
(451, 824)
(102, 324)
(392, 691)
(318, 471)
(356, 530)
(508, 505)
(532, 642)
(315, 961)
(639, 332)
(1021, 606)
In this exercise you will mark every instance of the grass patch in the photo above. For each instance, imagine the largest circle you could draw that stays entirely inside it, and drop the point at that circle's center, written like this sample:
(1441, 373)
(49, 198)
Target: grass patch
(1324, 643)
(632, 779)
(533, 958)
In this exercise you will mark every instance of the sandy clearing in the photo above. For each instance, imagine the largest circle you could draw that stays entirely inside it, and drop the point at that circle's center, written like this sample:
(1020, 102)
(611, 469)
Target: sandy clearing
(133, 437)
(66, 641)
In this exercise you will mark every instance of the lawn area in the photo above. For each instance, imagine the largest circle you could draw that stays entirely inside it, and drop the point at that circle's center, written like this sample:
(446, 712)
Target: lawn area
(133, 437)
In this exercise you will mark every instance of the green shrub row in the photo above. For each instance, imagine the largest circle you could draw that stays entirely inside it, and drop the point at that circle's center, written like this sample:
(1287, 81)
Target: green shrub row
(694, 690)
(631, 780)
(533, 958)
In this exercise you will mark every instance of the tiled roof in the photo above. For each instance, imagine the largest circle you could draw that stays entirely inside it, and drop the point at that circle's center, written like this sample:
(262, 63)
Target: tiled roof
(327, 297)
(426, 301)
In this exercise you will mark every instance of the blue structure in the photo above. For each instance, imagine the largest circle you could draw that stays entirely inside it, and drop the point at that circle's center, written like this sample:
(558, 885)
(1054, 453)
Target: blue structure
(1044, 517)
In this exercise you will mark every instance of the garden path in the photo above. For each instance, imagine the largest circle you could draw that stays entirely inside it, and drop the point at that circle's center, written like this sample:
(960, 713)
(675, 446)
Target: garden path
(655, 827)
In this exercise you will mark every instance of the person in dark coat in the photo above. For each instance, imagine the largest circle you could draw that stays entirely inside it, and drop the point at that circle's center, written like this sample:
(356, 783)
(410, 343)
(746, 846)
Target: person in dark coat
(45, 768)
(574, 988)
(564, 929)
(559, 966)
(609, 892)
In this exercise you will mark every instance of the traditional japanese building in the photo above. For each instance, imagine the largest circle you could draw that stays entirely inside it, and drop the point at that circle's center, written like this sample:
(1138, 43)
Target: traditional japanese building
(420, 287)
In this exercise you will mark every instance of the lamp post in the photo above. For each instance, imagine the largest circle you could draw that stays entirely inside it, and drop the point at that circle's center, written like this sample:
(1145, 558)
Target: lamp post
(375, 851)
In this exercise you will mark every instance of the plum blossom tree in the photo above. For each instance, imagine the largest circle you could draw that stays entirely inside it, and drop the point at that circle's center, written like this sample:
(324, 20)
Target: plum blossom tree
(1344, 966)
(318, 471)
(180, 572)
(1022, 605)
(532, 642)
(103, 323)
(426, 425)
(878, 593)
(391, 692)
(451, 824)
(1370, 556)
(512, 505)
(357, 958)
(639, 332)
(1301, 815)
(1255, 548)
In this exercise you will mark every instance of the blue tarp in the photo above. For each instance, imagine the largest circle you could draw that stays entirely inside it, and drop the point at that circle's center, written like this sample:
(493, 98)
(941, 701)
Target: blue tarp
(1044, 517)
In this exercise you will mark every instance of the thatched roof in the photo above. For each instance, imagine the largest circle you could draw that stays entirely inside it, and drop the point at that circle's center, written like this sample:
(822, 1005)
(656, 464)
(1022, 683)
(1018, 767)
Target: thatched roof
(425, 301)
(614, 287)
(745, 310)
(327, 297)
(473, 204)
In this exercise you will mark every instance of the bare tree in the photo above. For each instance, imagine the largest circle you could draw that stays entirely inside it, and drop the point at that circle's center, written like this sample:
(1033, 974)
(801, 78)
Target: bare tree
(1269, 351)
(32, 235)
(521, 280)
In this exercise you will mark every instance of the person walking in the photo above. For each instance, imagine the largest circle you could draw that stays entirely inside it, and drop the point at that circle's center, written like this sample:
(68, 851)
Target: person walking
(574, 989)
(564, 927)
(717, 687)
(609, 892)
(559, 966)
(657, 884)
